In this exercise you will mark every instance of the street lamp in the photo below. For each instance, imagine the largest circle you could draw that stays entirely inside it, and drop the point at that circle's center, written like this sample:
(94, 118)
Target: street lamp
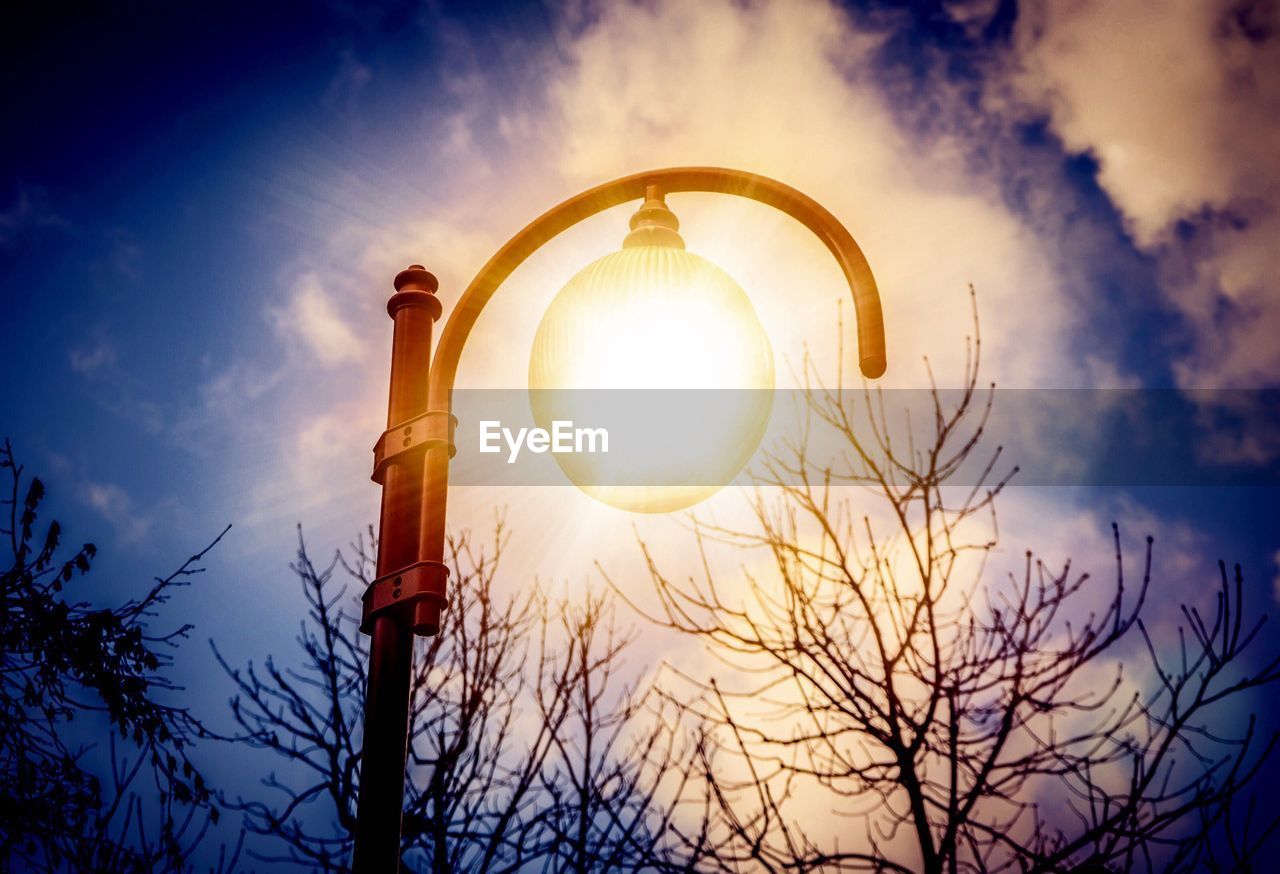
(411, 458)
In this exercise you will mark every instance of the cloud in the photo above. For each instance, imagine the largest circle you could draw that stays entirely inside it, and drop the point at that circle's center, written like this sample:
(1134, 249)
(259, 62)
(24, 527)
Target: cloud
(226, 394)
(116, 506)
(88, 360)
(1180, 105)
(311, 319)
(349, 82)
(123, 394)
(779, 88)
(788, 90)
(123, 253)
(31, 211)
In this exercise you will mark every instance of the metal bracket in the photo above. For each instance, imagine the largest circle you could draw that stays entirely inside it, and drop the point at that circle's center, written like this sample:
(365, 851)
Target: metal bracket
(432, 428)
(422, 580)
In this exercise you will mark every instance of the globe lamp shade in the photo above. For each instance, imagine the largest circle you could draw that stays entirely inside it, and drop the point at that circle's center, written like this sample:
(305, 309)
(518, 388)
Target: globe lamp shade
(670, 341)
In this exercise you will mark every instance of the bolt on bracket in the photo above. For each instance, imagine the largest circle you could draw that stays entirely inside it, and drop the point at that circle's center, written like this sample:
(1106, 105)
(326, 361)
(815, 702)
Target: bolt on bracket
(423, 580)
(432, 428)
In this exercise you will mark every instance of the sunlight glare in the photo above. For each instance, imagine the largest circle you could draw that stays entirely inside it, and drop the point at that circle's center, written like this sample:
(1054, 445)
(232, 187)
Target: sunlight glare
(655, 318)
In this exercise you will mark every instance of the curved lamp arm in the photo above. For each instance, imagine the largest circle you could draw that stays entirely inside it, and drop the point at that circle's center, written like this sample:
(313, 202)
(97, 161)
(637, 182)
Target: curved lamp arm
(715, 180)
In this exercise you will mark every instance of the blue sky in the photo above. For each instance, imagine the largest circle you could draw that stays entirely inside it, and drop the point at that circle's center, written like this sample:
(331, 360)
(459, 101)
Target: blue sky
(201, 210)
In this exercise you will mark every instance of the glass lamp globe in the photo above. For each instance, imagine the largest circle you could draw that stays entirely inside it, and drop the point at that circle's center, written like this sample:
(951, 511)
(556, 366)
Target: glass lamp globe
(658, 319)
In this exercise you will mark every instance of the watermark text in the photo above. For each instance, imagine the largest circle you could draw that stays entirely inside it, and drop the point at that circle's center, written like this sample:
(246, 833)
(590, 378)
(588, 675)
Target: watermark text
(562, 438)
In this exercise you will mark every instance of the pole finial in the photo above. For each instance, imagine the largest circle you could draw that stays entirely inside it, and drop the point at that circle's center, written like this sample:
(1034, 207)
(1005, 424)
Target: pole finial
(415, 277)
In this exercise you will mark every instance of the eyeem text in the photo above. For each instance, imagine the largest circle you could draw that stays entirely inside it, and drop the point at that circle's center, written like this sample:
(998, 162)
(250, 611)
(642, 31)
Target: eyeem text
(562, 438)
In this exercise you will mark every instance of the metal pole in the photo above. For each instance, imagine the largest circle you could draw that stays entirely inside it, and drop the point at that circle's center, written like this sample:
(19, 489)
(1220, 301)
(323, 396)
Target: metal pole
(414, 309)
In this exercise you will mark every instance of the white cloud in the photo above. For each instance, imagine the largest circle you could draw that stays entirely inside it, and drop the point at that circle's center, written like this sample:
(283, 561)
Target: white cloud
(785, 89)
(349, 82)
(98, 362)
(116, 506)
(226, 394)
(91, 359)
(29, 212)
(1180, 104)
(311, 318)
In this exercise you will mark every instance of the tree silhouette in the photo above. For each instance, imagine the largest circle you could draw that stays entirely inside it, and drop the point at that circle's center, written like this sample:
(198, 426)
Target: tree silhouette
(526, 749)
(105, 670)
(887, 705)
(890, 707)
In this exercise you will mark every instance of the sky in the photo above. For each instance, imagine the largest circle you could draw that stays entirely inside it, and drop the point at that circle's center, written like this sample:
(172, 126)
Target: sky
(202, 208)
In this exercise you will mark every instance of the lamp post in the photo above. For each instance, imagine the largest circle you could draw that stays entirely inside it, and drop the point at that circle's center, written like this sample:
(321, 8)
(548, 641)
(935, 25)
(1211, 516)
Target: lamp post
(411, 458)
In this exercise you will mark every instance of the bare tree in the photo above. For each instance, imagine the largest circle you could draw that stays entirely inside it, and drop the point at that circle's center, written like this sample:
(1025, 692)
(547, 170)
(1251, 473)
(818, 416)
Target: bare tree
(527, 746)
(73, 679)
(890, 707)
